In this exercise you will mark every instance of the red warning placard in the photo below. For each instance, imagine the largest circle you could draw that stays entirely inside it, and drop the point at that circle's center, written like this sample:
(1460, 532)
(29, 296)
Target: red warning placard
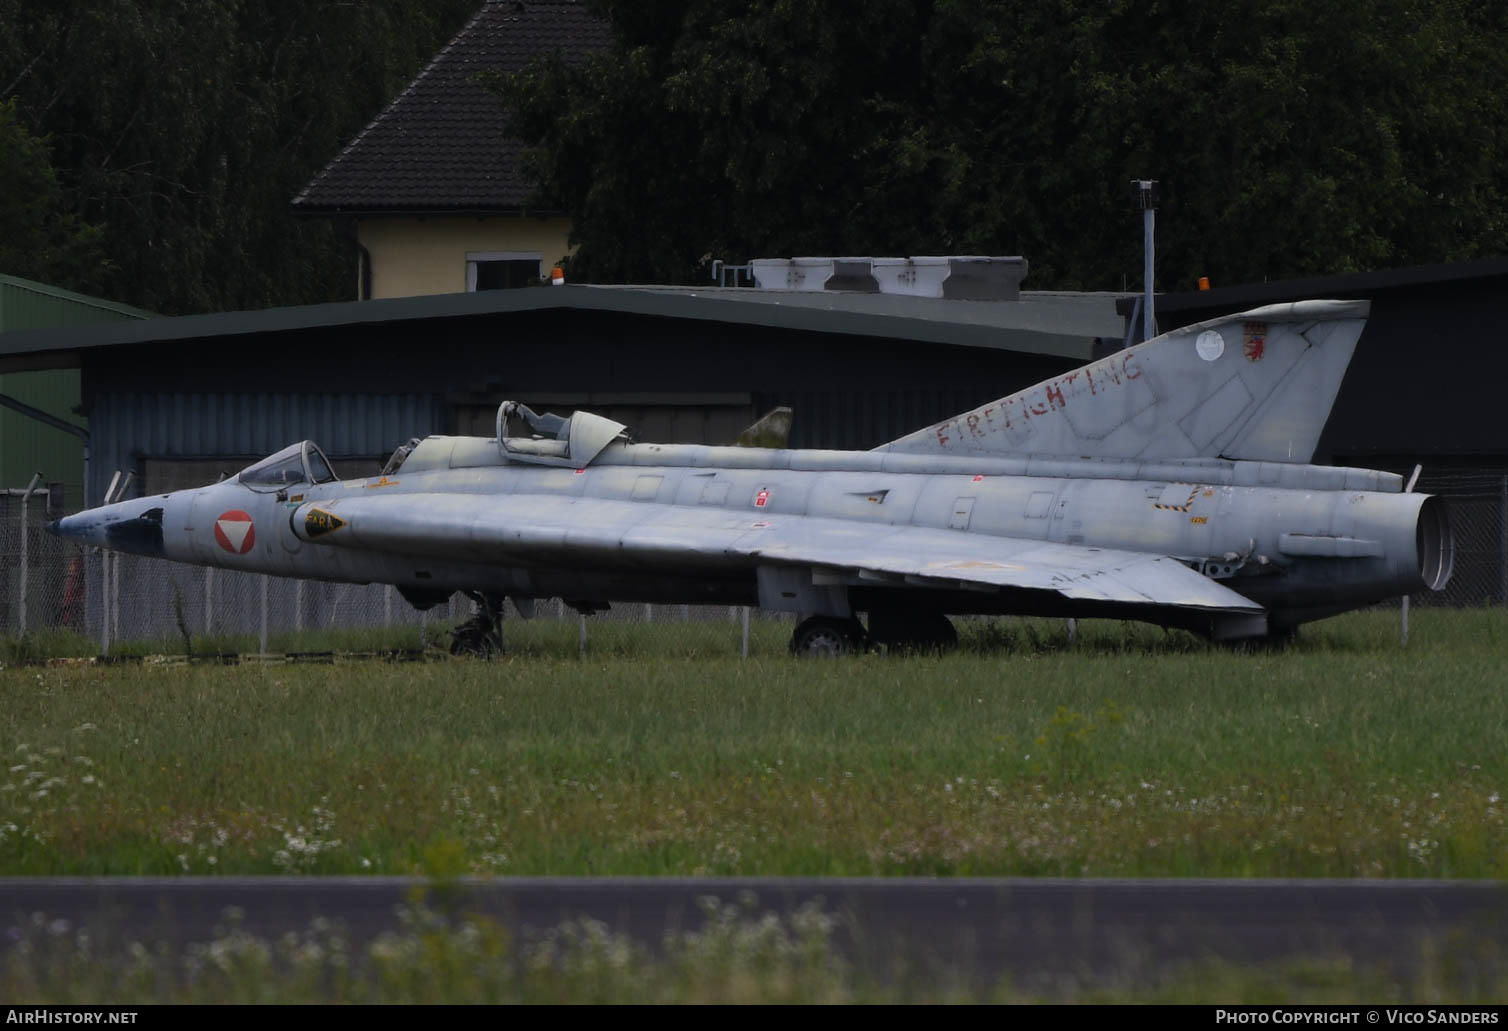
(234, 532)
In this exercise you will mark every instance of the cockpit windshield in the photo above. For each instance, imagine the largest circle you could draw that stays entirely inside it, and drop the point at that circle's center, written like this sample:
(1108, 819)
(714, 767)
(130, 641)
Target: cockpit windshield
(297, 463)
(319, 466)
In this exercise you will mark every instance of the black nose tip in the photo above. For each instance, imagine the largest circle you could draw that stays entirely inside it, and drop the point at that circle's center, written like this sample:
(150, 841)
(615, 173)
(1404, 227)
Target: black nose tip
(52, 526)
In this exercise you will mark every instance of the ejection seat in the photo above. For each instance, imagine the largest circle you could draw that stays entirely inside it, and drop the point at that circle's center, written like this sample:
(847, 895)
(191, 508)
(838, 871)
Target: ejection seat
(556, 440)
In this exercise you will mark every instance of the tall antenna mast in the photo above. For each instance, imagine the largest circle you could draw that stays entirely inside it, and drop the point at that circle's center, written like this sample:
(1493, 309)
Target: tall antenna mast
(1144, 193)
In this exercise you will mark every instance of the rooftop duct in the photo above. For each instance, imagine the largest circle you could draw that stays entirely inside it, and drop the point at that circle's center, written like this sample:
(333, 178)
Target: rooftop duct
(954, 277)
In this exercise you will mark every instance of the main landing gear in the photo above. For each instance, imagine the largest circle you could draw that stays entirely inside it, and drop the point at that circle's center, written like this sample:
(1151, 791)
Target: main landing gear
(827, 637)
(1275, 640)
(481, 636)
(909, 631)
(899, 631)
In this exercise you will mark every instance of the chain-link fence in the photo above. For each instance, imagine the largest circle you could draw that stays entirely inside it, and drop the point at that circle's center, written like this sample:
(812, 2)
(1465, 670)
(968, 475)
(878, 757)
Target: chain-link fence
(108, 599)
(27, 556)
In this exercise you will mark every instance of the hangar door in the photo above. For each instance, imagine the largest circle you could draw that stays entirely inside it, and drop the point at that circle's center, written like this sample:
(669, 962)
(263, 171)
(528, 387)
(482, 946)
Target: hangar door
(659, 418)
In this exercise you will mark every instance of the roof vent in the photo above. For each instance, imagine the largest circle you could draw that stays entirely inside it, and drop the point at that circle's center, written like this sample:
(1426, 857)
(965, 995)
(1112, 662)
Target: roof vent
(954, 277)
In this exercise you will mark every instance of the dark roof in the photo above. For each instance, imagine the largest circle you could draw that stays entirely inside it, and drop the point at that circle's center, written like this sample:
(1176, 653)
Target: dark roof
(440, 147)
(1342, 287)
(58, 307)
(1062, 325)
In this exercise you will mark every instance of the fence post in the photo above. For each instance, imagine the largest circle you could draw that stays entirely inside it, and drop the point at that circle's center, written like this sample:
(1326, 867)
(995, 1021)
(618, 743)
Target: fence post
(264, 579)
(110, 562)
(209, 600)
(115, 597)
(104, 595)
(746, 632)
(110, 571)
(581, 643)
(21, 608)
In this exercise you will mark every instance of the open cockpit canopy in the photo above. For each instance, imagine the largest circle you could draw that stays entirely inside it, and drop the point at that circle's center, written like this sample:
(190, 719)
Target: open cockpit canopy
(301, 463)
(555, 439)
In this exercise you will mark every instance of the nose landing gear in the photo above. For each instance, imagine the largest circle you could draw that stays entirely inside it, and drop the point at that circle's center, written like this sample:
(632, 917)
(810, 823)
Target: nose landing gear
(481, 636)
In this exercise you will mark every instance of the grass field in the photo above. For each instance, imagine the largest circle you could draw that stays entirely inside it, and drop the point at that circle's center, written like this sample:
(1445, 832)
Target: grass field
(1129, 752)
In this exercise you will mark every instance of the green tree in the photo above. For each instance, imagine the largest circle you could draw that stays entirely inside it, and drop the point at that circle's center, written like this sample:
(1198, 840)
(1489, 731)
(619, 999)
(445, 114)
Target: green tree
(184, 127)
(708, 132)
(1290, 138)
(40, 238)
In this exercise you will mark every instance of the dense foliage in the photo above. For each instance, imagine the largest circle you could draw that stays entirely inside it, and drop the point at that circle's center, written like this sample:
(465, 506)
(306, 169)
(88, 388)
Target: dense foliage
(38, 232)
(1290, 138)
(149, 149)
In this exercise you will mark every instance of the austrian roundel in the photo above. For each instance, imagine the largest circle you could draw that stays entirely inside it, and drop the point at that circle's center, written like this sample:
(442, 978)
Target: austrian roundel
(234, 532)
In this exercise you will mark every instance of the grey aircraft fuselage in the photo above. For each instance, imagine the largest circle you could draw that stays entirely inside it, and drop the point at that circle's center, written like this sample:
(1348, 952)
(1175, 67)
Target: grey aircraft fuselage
(1230, 547)
(1222, 518)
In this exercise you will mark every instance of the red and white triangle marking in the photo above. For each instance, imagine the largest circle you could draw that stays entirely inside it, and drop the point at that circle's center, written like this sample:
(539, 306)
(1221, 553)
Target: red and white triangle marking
(234, 532)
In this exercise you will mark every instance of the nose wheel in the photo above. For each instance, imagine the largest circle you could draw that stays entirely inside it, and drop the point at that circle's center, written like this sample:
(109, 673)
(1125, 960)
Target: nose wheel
(828, 637)
(481, 636)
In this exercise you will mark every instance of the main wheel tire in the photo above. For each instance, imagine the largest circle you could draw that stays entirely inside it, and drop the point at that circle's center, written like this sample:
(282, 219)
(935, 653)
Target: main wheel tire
(1275, 640)
(827, 637)
(903, 632)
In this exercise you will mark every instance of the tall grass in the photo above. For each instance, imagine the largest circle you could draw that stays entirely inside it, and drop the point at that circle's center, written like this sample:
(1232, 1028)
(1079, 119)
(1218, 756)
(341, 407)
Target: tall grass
(1128, 752)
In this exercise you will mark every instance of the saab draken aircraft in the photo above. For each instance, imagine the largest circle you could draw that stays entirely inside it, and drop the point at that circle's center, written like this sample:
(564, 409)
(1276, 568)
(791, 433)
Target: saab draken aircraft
(1169, 482)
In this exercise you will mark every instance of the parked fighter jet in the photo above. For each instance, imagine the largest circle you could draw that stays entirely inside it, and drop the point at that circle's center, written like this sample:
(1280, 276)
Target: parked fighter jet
(1167, 483)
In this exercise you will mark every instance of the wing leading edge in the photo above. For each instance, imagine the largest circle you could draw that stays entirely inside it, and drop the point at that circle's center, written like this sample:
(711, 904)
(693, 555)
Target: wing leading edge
(543, 530)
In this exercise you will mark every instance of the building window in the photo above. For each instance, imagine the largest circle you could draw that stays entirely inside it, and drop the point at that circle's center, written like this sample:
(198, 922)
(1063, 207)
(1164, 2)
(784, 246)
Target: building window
(503, 270)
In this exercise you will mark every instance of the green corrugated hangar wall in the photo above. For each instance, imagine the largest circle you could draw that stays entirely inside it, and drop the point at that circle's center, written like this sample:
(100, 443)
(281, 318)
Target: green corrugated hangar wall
(26, 445)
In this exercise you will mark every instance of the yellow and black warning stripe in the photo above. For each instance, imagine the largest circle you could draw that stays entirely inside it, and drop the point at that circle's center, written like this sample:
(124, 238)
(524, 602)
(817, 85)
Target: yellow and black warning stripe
(1180, 508)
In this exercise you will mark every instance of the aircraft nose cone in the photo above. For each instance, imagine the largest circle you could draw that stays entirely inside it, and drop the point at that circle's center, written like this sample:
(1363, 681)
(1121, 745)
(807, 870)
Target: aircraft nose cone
(77, 528)
(65, 527)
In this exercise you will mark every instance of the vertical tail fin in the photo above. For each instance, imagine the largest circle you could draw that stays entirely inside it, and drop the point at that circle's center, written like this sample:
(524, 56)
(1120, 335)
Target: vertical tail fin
(1258, 385)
